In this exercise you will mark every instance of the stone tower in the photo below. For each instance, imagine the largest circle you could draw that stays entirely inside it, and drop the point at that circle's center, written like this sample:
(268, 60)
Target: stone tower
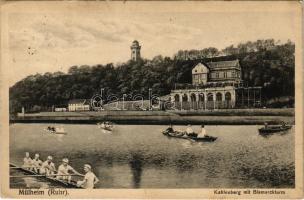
(135, 50)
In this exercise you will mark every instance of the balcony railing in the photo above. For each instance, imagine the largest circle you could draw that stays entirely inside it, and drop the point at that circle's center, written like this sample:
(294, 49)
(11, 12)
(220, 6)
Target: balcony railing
(180, 86)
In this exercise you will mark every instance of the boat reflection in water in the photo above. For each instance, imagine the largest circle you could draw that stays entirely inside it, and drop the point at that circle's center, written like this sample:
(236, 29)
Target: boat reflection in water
(136, 165)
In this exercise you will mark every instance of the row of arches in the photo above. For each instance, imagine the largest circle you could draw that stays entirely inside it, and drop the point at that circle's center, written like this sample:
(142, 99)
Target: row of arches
(201, 97)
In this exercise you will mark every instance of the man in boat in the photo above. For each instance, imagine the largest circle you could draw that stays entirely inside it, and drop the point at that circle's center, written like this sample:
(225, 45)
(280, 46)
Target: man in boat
(64, 169)
(190, 132)
(89, 179)
(48, 167)
(36, 163)
(203, 132)
(27, 161)
(170, 129)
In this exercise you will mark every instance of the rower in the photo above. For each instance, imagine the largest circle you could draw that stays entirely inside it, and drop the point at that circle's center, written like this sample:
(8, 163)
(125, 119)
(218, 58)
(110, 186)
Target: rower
(170, 129)
(89, 179)
(190, 132)
(36, 163)
(27, 161)
(48, 167)
(203, 132)
(64, 169)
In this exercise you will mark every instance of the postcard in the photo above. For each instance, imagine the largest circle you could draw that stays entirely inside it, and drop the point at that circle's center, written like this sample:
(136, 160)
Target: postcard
(151, 99)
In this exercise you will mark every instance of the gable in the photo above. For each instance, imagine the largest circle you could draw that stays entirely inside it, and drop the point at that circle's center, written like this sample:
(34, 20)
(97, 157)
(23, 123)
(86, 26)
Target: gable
(200, 68)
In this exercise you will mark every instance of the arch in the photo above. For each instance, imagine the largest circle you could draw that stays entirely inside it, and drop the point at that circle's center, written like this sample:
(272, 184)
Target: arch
(228, 96)
(210, 97)
(201, 97)
(185, 98)
(219, 96)
(176, 98)
(193, 97)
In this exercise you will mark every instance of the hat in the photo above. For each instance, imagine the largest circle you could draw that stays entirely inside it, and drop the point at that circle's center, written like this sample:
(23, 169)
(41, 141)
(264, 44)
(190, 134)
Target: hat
(203, 125)
(49, 158)
(36, 155)
(65, 160)
(87, 166)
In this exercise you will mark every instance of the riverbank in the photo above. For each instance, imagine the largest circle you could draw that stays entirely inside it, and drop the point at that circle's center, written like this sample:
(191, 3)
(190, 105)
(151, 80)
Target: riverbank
(215, 117)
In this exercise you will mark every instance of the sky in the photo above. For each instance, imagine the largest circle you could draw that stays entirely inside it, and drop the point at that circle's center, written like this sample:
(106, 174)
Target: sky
(52, 41)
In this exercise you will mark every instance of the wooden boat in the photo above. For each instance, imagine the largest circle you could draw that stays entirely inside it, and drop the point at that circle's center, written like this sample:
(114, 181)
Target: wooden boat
(274, 129)
(182, 135)
(65, 184)
(108, 126)
(56, 131)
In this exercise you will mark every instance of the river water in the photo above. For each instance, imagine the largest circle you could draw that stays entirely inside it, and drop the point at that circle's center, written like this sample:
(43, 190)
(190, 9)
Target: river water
(139, 156)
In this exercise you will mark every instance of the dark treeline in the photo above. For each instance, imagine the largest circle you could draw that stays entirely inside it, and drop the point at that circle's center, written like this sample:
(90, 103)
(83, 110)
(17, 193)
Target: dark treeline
(271, 67)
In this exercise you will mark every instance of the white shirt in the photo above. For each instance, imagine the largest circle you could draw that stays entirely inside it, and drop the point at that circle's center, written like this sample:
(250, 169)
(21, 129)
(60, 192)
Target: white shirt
(36, 163)
(64, 170)
(202, 133)
(48, 166)
(189, 130)
(89, 180)
(27, 162)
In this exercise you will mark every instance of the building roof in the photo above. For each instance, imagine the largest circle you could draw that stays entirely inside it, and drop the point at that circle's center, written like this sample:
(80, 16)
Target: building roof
(200, 68)
(224, 64)
(80, 101)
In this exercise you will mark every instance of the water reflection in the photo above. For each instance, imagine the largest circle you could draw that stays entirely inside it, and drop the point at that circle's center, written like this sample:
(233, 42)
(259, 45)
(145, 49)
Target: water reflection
(136, 165)
(267, 135)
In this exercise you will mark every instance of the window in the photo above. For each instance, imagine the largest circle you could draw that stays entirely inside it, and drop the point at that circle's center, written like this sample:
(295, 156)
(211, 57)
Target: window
(217, 75)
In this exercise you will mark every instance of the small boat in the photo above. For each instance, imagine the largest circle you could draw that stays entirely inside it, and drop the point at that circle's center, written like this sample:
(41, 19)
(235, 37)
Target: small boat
(274, 129)
(182, 135)
(108, 126)
(56, 130)
(65, 184)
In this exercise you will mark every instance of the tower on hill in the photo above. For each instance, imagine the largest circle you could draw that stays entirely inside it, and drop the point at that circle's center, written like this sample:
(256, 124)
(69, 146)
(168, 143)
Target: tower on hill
(135, 50)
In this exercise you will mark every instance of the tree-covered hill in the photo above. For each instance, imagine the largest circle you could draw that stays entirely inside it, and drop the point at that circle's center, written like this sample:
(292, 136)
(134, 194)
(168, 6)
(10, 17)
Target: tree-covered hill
(270, 66)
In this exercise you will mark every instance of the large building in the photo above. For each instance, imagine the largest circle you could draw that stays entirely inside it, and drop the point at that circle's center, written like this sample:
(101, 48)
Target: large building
(216, 72)
(135, 50)
(216, 85)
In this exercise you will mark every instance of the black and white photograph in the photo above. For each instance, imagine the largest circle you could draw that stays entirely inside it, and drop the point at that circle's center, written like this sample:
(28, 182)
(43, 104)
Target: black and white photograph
(153, 95)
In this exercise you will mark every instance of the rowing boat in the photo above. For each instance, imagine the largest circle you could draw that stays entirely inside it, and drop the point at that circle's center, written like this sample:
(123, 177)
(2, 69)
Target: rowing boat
(108, 126)
(65, 184)
(274, 128)
(57, 131)
(182, 135)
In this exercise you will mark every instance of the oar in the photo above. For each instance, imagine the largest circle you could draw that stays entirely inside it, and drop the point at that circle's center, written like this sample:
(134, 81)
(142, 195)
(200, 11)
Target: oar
(41, 175)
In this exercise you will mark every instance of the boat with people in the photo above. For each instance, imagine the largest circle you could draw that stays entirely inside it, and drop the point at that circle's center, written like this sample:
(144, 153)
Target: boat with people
(268, 129)
(55, 130)
(189, 134)
(106, 125)
(62, 176)
(182, 135)
(49, 178)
